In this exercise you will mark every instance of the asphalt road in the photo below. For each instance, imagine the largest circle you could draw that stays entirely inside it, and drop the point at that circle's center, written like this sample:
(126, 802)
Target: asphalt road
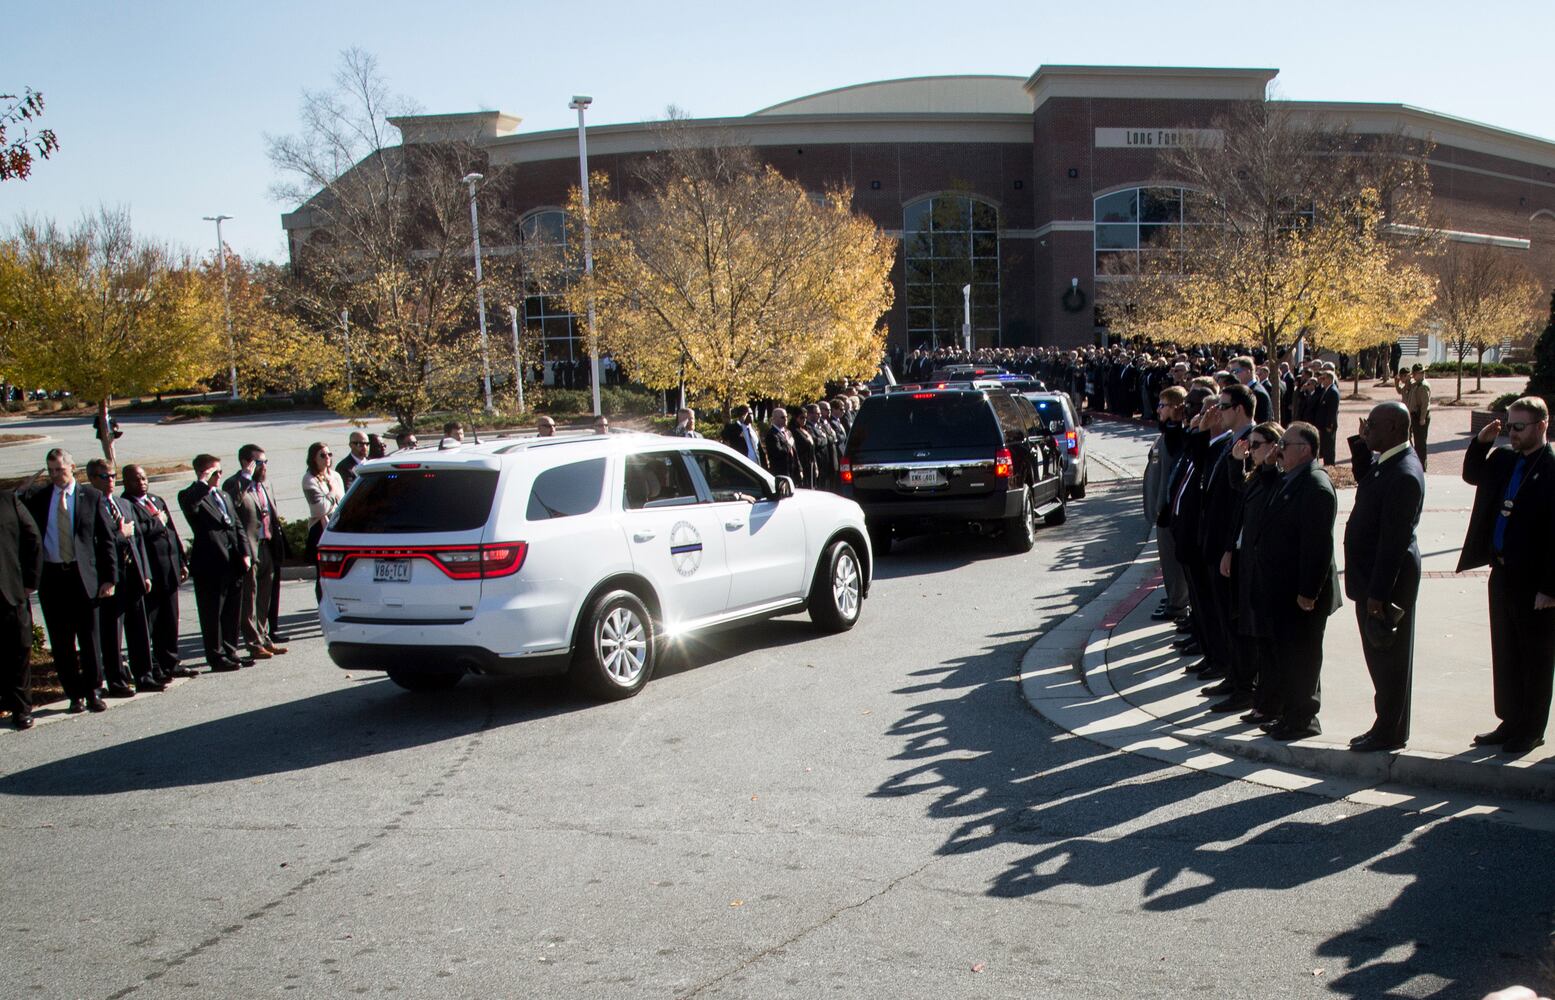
(779, 814)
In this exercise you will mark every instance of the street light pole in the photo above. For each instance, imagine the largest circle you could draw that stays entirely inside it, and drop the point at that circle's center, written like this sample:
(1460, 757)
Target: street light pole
(518, 357)
(581, 103)
(480, 289)
(226, 302)
(966, 316)
(345, 325)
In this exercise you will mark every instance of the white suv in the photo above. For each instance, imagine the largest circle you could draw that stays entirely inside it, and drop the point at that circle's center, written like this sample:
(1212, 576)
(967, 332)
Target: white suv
(586, 553)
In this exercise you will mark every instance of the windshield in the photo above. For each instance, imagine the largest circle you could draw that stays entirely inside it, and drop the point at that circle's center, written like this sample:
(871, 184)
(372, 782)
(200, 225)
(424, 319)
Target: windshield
(404, 501)
(938, 420)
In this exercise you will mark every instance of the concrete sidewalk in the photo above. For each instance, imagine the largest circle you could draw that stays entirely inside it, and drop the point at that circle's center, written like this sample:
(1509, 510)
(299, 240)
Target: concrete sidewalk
(1129, 689)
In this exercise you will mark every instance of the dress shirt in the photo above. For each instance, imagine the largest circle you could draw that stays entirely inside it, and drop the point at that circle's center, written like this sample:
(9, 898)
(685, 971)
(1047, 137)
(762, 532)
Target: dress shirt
(51, 534)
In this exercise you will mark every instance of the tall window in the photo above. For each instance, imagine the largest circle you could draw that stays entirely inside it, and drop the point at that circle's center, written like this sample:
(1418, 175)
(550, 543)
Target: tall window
(1133, 224)
(951, 241)
(545, 233)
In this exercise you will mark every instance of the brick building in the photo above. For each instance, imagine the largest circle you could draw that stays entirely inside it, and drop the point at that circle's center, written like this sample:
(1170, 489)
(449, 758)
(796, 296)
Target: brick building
(1016, 186)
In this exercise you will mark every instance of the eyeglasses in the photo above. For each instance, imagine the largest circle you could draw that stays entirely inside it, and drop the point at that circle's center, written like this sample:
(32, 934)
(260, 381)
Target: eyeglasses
(1521, 425)
(1225, 406)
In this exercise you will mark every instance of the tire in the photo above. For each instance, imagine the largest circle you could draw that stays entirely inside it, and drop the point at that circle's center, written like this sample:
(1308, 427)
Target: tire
(1060, 515)
(1078, 491)
(881, 535)
(425, 680)
(837, 592)
(617, 647)
(1020, 531)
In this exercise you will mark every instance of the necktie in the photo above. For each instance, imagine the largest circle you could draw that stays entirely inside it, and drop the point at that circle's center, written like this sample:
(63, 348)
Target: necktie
(263, 502)
(221, 505)
(64, 530)
(1498, 536)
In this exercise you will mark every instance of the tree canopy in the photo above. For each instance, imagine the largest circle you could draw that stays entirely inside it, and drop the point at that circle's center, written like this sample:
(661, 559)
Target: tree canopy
(1483, 299)
(726, 273)
(17, 153)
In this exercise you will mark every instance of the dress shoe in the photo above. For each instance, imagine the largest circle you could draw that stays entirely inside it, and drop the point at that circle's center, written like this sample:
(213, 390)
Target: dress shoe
(95, 704)
(278, 638)
(1495, 737)
(1211, 672)
(1372, 744)
(1522, 745)
(21, 720)
(184, 672)
(1271, 725)
(1184, 625)
(1235, 703)
(275, 650)
(149, 684)
(1220, 687)
(74, 708)
(1287, 733)
(1257, 718)
(259, 653)
(1367, 735)
(1162, 614)
(1190, 649)
(224, 666)
(1184, 642)
(120, 691)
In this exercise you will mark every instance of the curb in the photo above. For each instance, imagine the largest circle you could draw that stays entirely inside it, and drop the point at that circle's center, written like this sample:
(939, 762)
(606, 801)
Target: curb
(1065, 678)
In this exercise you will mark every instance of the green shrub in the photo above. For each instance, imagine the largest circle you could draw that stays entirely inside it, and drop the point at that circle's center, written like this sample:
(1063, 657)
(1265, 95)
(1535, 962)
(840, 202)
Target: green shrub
(194, 411)
(234, 407)
(564, 401)
(296, 532)
(628, 401)
(1470, 367)
(1504, 400)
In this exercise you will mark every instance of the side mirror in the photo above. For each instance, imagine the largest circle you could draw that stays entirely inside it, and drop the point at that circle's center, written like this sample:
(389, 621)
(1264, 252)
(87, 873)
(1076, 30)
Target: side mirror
(785, 488)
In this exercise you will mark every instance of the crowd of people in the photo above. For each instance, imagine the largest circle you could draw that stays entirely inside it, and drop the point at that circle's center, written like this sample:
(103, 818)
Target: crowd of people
(1245, 521)
(805, 445)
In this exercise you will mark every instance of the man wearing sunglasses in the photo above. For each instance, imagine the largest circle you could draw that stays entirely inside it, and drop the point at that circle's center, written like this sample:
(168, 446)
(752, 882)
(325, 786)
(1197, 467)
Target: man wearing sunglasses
(255, 507)
(1512, 529)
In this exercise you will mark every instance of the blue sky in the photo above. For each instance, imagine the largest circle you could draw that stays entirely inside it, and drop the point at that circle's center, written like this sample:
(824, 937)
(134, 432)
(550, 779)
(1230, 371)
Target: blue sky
(162, 107)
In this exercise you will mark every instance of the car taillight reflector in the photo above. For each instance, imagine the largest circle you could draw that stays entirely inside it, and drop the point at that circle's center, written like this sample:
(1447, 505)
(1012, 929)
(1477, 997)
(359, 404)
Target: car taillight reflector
(1072, 440)
(1002, 463)
(923, 395)
(846, 471)
(458, 562)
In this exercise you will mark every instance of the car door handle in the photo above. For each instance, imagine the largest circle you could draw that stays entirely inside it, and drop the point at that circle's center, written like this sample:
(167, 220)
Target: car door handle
(644, 536)
(735, 525)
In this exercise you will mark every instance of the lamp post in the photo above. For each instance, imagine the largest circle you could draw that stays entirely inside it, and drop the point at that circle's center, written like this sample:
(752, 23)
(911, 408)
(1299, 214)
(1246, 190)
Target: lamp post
(966, 317)
(580, 103)
(226, 302)
(345, 326)
(473, 179)
(518, 356)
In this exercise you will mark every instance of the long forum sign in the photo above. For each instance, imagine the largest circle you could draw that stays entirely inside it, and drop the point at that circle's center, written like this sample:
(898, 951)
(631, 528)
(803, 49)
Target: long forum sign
(1157, 138)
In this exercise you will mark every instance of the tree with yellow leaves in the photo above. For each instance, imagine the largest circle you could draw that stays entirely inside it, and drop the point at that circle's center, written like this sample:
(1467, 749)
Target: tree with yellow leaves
(734, 279)
(100, 313)
(275, 351)
(1292, 232)
(1483, 298)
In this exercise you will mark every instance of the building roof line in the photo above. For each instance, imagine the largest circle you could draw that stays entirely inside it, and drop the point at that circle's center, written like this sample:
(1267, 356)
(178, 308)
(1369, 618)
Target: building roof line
(879, 83)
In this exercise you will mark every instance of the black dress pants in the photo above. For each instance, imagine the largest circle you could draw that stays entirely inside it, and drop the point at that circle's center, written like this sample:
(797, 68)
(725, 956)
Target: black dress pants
(121, 625)
(1417, 435)
(1392, 672)
(162, 622)
(1298, 657)
(1522, 656)
(16, 657)
(218, 597)
(70, 618)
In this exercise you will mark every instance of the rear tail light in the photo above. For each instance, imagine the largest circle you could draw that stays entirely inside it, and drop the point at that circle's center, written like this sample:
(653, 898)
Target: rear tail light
(458, 562)
(1072, 442)
(846, 470)
(923, 395)
(1002, 463)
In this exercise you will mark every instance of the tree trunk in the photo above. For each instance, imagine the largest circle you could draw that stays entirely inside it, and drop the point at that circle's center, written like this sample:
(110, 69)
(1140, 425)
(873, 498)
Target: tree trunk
(1271, 350)
(105, 434)
(1460, 379)
(1479, 375)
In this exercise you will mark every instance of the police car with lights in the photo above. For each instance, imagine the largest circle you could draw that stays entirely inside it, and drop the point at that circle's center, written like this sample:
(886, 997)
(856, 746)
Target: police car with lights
(580, 554)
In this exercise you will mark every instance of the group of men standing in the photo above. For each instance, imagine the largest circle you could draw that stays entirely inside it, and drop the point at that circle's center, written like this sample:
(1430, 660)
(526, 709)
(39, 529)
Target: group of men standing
(107, 568)
(806, 447)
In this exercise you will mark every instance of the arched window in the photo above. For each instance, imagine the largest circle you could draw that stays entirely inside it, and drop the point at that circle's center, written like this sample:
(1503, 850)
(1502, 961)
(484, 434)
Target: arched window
(545, 232)
(1142, 221)
(950, 241)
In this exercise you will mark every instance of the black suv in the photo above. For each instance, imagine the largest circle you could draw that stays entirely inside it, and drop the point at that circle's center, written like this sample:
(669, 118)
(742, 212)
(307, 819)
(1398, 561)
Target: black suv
(963, 453)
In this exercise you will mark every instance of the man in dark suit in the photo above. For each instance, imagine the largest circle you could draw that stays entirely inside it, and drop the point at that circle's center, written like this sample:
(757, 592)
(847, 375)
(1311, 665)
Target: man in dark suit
(218, 559)
(1382, 565)
(1247, 374)
(1300, 588)
(80, 567)
(1512, 529)
(826, 450)
(778, 443)
(357, 442)
(1224, 477)
(1180, 517)
(121, 619)
(168, 567)
(255, 507)
(740, 435)
(1327, 416)
(21, 563)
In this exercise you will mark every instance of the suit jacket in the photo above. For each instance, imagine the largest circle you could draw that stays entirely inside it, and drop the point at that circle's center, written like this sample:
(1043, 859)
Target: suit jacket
(1262, 408)
(1381, 555)
(217, 543)
(804, 457)
(733, 435)
(245, 500)
(780, 452)
(1164, 453)
(1249, 525)
(97, 559)
(1295, 554)
(1529, 546)
(1327, 409)
(134, 564)
(346, 467)
(1222, 484)
(164, 549)
(21, 550)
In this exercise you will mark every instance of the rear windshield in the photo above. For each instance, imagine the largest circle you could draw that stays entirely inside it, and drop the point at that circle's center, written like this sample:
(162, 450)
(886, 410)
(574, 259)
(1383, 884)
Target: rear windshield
(1051, 410)
(402, 501)
(942, 420)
